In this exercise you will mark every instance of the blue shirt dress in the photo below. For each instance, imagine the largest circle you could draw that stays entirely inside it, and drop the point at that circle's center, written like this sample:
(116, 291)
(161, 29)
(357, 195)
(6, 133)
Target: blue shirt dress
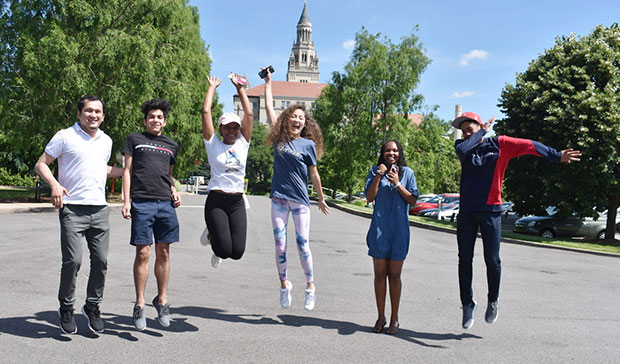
(388, 235)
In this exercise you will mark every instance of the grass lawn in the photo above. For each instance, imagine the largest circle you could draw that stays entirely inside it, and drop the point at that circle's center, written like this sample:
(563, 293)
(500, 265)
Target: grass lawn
(602, 246)
(18, 194)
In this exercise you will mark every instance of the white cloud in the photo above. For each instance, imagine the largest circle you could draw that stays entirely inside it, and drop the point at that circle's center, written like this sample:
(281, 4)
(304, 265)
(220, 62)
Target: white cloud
(460, 95)
(349, 44)
(471, 55)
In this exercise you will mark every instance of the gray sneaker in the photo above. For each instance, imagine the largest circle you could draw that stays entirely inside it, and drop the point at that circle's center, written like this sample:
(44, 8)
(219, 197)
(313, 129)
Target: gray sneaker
(468, 315)
(139, 320)
(163, 314)
(491, 315)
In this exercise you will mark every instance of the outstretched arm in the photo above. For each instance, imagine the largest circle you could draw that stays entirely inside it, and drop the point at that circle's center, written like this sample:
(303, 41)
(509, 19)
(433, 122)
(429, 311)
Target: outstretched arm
(207, 117)
(248, 113)
(271, 115)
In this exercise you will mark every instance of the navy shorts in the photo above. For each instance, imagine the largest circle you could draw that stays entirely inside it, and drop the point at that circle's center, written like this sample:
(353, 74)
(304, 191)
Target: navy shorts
(156, 218)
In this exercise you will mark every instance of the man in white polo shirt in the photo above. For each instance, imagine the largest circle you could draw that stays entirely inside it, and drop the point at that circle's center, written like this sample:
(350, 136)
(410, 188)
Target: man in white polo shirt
(83, 152)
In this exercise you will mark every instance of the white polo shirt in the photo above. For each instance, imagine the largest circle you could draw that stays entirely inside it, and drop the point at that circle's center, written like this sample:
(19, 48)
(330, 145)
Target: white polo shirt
(82, 164)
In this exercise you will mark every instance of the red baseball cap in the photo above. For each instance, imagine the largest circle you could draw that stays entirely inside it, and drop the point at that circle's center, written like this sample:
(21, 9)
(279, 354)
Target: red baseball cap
(466, 116)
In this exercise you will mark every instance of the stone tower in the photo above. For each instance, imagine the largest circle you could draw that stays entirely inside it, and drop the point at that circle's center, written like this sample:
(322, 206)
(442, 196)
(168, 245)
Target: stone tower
(303, 64)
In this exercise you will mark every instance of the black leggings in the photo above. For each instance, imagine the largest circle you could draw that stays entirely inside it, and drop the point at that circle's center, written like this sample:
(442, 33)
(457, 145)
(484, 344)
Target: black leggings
(227, 223)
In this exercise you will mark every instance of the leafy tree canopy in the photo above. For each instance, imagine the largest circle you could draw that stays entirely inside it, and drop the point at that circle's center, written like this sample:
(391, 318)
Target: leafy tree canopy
(124, 51)
(367, 104)
(568, 97)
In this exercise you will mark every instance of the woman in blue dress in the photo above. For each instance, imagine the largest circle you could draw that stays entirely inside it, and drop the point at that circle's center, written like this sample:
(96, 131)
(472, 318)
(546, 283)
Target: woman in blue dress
(392, 186)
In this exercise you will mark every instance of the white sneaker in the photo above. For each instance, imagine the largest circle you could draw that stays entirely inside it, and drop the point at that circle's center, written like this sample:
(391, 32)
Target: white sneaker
(310, 299)
(205, 238)
(285, 295)
(215, 261)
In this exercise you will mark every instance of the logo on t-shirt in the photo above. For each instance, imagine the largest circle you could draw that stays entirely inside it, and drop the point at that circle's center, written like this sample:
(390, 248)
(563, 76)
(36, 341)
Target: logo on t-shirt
(154, 148)
(232, 163)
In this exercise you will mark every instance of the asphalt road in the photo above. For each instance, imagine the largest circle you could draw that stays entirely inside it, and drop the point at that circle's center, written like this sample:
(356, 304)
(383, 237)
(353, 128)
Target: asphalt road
(555, 306)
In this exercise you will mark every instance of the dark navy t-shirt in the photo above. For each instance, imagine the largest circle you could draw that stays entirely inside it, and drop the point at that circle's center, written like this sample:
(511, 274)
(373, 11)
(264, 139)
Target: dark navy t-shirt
(150, 168)
(290, 170)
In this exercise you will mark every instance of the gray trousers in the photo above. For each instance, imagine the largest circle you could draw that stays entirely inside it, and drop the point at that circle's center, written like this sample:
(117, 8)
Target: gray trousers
(76, 223)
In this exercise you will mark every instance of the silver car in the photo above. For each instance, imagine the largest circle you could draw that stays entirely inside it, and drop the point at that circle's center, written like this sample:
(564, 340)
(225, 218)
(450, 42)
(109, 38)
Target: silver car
(555, 226)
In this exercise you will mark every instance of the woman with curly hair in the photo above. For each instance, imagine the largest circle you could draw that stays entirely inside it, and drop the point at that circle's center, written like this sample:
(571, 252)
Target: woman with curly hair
(393, 187)
(297, 143)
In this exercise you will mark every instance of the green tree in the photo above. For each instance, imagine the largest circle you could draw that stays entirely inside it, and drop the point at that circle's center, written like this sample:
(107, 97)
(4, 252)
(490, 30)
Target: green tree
(431, 155)
(568, 97)
(126, 52)
(367, 104)
(259, 166)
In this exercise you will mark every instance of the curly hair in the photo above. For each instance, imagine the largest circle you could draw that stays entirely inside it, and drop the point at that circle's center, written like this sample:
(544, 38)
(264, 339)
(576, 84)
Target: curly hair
(401, 156)
(281, 132)
(156, 104)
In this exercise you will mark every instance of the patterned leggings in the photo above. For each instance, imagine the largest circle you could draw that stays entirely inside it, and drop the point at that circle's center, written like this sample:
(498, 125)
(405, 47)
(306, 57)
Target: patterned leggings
(279, 220)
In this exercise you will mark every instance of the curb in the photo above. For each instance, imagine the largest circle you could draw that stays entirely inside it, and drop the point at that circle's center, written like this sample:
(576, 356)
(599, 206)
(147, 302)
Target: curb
(18, 208)
(503, 240)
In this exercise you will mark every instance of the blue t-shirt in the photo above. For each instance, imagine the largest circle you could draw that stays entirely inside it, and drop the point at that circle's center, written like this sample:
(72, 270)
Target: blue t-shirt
(388, 235)
(290, 170)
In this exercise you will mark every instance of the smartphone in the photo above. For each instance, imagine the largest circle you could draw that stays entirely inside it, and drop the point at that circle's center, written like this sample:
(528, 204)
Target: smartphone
(394, 168)
(263, 73)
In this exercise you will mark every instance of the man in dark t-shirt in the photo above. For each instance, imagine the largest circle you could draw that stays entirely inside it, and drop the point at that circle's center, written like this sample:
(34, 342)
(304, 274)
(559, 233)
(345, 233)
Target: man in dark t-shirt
(150, 202)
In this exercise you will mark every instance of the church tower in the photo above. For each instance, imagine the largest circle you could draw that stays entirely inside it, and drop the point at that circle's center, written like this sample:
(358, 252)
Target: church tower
(303, 64)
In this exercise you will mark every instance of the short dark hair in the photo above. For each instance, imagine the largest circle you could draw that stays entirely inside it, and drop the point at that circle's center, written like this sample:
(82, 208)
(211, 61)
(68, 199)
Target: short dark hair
(156, 104)
(86, 98)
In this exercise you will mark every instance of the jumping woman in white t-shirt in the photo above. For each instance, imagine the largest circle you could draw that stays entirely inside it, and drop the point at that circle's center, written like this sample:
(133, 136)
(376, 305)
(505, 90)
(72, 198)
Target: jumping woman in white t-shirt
(225, 209)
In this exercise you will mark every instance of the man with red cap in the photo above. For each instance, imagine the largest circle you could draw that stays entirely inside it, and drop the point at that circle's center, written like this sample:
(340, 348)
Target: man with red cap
(483, 163)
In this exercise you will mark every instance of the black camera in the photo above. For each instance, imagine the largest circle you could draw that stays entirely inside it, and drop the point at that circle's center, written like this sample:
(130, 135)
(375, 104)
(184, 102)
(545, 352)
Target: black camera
(263, 73)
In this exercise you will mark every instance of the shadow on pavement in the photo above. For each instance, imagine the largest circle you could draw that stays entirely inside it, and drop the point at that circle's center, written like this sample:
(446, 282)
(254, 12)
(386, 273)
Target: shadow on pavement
(342, 327)
(349, 328)
(218, 314)
(44, 325)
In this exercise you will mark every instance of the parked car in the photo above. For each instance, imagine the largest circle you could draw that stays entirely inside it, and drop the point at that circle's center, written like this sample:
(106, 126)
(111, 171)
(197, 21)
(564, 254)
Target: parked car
(554, 226)
(448, 212)
(433, 203)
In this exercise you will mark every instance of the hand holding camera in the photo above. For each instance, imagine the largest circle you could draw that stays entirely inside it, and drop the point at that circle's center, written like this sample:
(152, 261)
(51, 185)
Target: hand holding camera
(267, 70)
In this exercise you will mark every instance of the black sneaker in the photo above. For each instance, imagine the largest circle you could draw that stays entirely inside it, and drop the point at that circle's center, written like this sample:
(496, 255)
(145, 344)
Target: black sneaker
(468, 315)
(95, 324)
(491, 315)
(163, 312)
(67, 322)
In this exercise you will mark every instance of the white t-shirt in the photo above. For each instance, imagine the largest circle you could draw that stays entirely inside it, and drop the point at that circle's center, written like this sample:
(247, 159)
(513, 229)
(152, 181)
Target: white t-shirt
(227, 164)
(82, 164)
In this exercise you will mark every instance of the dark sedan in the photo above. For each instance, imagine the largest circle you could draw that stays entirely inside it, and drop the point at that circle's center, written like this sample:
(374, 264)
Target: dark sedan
(555, 226)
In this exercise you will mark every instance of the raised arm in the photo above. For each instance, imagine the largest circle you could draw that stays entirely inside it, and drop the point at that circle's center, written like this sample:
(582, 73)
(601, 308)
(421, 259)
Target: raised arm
(207, 116)
(271, 115)
(248, 113)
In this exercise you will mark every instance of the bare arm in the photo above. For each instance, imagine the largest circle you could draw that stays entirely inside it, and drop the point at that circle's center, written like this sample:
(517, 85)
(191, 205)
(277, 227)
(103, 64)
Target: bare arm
(42, 168)
(126, 209)
(371, 193)
(271, 115)
(248, 113)
(316, 182)
(114, 172)
(176, 198)
(207, 117)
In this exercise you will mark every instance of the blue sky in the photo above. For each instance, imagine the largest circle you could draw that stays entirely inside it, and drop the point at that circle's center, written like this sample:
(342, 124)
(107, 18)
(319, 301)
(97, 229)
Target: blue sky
(476, 47)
